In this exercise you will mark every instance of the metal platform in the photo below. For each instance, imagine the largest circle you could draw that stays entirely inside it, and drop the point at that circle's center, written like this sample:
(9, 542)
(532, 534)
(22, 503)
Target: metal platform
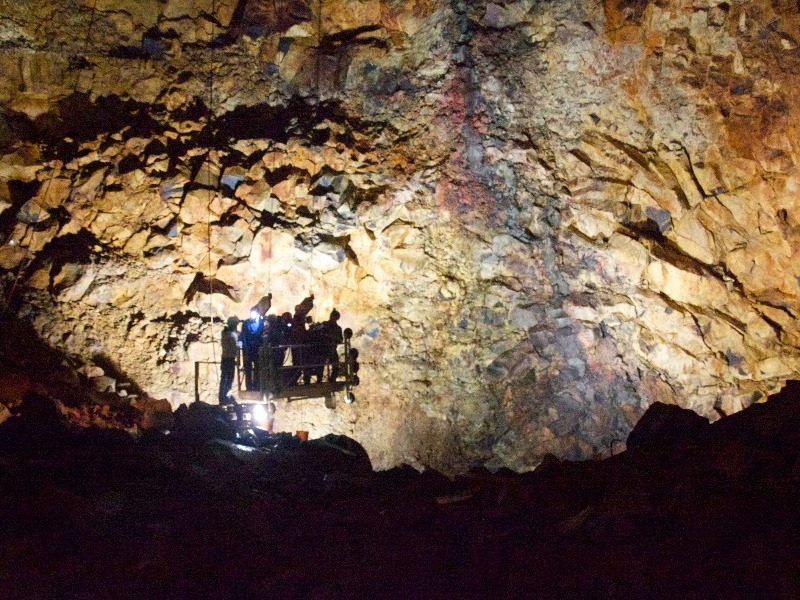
(295, 392)
(273, 377)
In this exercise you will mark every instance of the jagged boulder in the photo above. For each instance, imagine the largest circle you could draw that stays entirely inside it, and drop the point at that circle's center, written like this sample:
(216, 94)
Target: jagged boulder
(775, 421)
(156, 413)
(38, 425)
(336, 453)
(667, 424)
(201, 422)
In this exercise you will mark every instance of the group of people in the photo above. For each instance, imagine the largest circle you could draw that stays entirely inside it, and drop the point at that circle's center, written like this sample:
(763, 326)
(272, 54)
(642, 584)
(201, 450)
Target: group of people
(268, 341)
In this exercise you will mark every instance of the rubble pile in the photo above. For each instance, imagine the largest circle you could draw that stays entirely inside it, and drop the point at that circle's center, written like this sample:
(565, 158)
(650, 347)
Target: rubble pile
(83, 392)
(689, 510)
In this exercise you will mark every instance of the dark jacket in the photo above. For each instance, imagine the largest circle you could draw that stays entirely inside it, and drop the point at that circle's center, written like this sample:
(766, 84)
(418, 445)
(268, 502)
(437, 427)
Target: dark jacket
(230, 343)
(252, 331)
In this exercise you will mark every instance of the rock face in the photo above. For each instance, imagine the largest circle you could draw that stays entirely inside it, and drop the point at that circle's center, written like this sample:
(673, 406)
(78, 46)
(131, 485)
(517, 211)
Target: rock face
(537, 217)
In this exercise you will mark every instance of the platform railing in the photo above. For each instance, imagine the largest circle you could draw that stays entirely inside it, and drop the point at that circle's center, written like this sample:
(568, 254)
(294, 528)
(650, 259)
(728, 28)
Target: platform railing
(272, 380)
(271, 377)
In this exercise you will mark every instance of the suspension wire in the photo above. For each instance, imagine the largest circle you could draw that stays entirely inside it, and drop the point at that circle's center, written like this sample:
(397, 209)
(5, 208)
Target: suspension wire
(211, 193)
(269, 262)
(86, 40)
(89, 29)
(311, 279)
(319, 53)
(319, 102)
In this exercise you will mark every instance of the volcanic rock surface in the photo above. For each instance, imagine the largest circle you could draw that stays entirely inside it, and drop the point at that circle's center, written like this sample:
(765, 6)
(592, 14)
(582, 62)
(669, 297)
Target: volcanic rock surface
(538, 217)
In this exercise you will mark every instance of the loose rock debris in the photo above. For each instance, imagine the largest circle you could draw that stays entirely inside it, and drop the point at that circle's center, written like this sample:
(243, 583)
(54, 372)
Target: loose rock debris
(689, 510)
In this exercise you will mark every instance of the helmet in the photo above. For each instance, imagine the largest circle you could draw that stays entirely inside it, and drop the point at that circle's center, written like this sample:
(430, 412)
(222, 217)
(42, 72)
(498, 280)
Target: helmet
(233, 321)
(334, 315)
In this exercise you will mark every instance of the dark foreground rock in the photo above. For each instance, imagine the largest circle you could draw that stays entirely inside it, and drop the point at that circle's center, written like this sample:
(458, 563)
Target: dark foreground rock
(667, 424)
(690, 510)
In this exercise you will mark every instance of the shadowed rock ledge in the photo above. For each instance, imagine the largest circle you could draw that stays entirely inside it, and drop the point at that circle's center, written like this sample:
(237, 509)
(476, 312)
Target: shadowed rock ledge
(689, 510)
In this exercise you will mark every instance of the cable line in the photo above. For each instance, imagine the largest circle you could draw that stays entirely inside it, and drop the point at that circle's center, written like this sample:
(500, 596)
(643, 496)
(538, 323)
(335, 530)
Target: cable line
(86, 40)
(211, 126)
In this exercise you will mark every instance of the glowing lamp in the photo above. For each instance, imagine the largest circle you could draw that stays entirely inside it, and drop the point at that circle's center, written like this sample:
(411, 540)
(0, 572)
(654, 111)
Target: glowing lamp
(260, 415)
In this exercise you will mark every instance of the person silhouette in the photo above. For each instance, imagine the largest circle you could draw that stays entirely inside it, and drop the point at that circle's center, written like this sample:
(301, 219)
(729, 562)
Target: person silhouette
(229, 340)
(251, 336)
(298, 340)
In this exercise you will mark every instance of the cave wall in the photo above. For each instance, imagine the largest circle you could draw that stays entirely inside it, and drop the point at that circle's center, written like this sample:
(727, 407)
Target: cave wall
(538, 217)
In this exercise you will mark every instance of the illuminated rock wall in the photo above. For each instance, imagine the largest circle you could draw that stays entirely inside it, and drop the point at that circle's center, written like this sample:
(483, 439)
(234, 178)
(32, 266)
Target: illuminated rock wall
(538, 217)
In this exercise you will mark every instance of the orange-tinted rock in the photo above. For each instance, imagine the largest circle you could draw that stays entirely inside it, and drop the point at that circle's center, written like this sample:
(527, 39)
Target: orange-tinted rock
(537, 218)
(13, 387)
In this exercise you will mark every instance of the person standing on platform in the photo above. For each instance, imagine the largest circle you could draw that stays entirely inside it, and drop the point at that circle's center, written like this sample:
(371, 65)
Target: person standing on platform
(332, 337)
(252, 336)
(298, 340)
(230, 353)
